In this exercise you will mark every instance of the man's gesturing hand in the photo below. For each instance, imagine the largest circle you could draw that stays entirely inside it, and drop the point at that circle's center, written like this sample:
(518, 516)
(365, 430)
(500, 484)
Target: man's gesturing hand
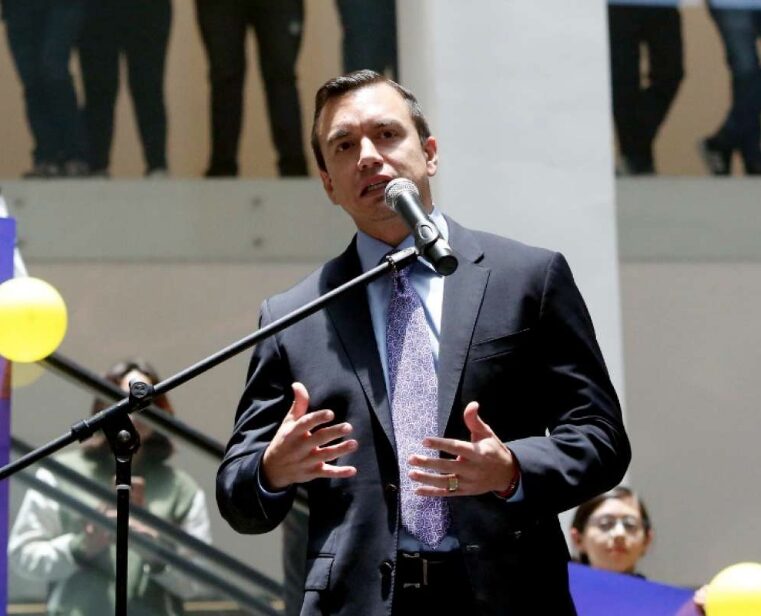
(483, 465)
(300, 451)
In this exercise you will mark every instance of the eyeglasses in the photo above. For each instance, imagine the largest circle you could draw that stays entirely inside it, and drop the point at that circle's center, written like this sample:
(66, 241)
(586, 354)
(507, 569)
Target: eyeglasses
(607, 523)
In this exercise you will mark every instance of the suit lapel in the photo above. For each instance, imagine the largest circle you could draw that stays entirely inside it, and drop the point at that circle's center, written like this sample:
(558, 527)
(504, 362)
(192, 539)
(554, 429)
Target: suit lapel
(350, 316)
(463, 294)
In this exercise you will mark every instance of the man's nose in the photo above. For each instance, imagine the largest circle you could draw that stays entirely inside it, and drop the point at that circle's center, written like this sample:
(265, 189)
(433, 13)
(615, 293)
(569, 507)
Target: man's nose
(368, 154)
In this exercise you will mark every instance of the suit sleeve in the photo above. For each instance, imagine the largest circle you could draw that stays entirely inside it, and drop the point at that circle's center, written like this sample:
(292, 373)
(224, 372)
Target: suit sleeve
(263, 405)
(586, 450)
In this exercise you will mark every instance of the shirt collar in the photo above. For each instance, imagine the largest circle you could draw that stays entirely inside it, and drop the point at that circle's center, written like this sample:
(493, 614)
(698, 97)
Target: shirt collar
(371, 250)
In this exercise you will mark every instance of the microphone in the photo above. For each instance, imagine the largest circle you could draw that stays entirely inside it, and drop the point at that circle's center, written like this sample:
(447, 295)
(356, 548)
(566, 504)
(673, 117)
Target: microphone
(403, 197)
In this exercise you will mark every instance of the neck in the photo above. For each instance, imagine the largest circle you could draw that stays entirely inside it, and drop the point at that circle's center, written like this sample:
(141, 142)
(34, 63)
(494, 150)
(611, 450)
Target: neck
(393, 235)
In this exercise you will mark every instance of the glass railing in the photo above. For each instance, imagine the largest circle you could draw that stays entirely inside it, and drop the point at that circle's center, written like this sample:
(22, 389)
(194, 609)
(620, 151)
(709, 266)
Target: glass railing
(193, 561)
(174, 568)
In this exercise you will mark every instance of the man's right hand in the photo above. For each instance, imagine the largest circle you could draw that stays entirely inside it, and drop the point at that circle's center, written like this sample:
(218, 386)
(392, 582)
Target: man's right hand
(300, 450)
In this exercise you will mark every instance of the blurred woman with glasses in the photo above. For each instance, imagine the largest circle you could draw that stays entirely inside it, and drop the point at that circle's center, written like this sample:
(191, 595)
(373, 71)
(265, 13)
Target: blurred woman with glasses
(612, 531)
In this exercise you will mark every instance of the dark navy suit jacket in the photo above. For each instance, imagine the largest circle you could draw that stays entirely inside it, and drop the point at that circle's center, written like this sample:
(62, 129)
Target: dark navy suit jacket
(515, 336)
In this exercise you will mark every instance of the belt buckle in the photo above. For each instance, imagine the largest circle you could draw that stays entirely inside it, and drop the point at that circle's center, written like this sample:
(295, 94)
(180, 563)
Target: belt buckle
(424, 570)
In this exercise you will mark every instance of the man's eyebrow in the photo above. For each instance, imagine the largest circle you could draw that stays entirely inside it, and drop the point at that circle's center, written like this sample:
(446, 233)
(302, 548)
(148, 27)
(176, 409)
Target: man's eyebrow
(338, 133)
(386, 123)
(342, 131)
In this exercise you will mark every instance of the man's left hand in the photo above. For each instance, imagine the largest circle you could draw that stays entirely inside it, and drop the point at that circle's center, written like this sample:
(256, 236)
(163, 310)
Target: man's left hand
(482, 465)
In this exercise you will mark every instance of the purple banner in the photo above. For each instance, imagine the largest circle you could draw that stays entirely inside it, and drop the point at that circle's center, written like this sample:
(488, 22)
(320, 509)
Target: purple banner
(601, 593)
(7, 242)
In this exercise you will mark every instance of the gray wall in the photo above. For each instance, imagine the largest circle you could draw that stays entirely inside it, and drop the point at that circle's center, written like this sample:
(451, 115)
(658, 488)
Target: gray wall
(692, 340)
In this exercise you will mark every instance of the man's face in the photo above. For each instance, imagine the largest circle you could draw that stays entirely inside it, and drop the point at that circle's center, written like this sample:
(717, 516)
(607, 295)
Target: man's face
(368, 138)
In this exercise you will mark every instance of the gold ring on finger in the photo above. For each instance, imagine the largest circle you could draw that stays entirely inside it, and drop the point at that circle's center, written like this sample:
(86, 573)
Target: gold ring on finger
(452, 483)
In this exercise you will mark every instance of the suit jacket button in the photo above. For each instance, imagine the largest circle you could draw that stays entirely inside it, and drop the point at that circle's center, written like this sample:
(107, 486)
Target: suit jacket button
(391, 489)
(386, 567)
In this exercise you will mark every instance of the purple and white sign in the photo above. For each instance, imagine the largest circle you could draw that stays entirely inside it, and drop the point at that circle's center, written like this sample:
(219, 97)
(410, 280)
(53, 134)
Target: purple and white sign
(7, 242)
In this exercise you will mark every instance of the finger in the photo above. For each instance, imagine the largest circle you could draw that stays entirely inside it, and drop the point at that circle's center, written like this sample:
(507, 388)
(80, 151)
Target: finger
(330, 433)
(434, 480)
(450, 445)
(443, 465)
(478, 428)
(310, 421)
(326, 454)
(331, 471)
(432, 491)
(300, 401)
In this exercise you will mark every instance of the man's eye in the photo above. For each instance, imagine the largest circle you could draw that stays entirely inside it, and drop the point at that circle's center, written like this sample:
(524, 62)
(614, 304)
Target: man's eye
(388, 134)
(343, 146)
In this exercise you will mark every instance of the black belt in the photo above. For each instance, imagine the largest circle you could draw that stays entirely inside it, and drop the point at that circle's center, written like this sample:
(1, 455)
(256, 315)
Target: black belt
(423, 569)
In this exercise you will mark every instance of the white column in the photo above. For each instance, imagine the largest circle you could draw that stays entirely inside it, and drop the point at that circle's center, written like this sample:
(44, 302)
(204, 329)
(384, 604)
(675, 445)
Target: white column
(517, 93)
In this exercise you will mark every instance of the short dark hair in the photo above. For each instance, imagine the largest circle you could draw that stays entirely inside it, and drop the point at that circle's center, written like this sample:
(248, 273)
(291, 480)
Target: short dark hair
(585, 511)
(160, 445)
(343, 84)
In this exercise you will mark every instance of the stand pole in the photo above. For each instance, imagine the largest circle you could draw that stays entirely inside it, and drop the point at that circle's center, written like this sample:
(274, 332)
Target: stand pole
(123, 488)
(124, 442)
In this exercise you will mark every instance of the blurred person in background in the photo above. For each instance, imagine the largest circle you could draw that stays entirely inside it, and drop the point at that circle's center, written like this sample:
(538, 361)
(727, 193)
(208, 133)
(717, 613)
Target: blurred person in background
(612, 531)
(76, 557)
(41, 35)
(739, 25)
(278, 27)
(640, 105)
(139, 31)
(369, 35)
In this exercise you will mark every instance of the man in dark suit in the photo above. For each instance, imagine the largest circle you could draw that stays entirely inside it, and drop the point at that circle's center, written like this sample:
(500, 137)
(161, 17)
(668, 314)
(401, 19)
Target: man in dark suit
(441, 495)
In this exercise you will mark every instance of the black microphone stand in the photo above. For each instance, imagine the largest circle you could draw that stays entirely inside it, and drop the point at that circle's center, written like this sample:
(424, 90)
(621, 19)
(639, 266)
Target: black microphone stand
(122, 436)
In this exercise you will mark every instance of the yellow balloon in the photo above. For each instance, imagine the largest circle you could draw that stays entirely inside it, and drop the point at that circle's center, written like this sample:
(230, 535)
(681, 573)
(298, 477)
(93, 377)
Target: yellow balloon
(735, 591)
(23, 375)
(32, 319)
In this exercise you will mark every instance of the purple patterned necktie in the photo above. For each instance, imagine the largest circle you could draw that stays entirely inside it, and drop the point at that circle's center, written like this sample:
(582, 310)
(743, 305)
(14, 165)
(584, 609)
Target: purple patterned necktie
(414, 401)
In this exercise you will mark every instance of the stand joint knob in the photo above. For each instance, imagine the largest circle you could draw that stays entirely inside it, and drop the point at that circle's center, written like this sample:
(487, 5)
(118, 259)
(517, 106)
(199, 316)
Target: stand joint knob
(140, 394)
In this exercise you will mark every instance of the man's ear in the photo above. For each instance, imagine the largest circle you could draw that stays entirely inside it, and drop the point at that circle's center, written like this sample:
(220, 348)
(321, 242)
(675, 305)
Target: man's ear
(327, 184)
(431, 150)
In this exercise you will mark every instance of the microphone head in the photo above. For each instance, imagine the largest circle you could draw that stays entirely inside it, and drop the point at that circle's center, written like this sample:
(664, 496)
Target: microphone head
(396, 187)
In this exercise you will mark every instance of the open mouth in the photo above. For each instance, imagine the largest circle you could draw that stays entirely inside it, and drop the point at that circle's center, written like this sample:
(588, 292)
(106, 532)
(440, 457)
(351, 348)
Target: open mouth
(375, 186)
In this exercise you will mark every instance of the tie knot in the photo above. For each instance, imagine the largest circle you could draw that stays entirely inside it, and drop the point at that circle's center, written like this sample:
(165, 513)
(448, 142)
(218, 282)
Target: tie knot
(403, 274)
